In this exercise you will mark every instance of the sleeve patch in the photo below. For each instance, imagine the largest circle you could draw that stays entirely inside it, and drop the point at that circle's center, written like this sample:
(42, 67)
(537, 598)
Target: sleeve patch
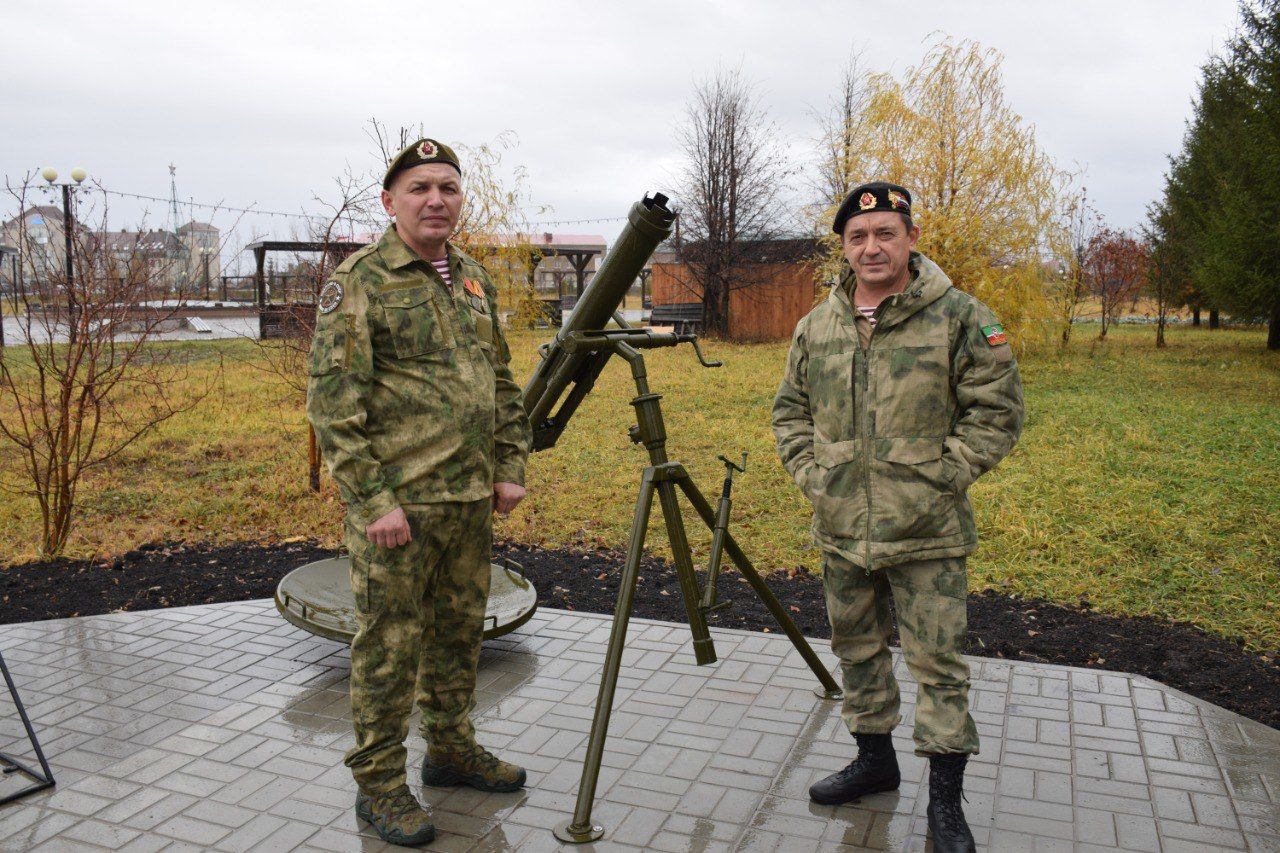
(330, 296)
(995, 335)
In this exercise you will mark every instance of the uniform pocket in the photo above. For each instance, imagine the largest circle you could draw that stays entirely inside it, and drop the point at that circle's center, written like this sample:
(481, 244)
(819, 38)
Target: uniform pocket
(912, 390)
(484, 328)
(835, 489)
(931, 596)
(368, 573)
(490, 353)
(830, 380)
(911, 495)
(366, 581)
(368, 585)
(829, 454)
(328, 352)
(416, 323)
(909, 451)
(844, 584)
(386, 580)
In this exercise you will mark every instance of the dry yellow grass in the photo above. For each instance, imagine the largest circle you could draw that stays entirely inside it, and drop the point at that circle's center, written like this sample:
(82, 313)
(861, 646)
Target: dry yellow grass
(1145, 481)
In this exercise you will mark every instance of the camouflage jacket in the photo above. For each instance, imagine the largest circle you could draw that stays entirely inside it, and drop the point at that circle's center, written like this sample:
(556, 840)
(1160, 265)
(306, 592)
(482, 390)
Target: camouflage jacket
(409, 391)
(885, 440)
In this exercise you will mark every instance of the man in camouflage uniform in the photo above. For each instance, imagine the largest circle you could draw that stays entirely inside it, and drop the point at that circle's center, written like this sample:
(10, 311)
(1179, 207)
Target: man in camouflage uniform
(423, 429)
(900, 390)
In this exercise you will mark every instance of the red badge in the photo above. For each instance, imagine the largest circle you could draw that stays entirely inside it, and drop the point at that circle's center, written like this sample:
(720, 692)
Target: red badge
(473, 287)
(866, 201)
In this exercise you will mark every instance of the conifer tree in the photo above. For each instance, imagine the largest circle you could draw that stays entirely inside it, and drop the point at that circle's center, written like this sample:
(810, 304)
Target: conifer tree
(1222, 190)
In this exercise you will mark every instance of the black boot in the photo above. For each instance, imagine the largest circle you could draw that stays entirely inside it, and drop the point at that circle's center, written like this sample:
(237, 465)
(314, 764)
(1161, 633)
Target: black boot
(947, 825)
(874, 770)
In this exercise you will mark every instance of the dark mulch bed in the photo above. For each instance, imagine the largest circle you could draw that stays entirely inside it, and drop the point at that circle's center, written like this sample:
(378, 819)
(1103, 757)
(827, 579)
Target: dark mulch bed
(179, 574)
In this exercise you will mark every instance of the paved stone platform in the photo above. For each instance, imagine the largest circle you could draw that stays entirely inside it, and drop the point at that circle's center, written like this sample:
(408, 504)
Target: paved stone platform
(222, 728)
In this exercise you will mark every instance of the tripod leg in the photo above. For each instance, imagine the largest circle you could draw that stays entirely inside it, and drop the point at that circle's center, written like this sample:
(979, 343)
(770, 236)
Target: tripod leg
(12, 764)
(580, 829)
(704, 651)
(830, 690)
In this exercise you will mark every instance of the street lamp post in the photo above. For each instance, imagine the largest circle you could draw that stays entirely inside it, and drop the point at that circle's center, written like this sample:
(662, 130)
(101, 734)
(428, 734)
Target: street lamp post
(8, 250)
(17, 281)
(204, 261)
(68, 226)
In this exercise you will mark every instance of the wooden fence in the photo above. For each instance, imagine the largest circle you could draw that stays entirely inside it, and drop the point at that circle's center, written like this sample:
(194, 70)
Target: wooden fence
(767, 310)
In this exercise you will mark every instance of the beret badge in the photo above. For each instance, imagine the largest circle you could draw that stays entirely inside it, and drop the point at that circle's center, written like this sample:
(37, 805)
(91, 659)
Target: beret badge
(869, 197)
(428, 149)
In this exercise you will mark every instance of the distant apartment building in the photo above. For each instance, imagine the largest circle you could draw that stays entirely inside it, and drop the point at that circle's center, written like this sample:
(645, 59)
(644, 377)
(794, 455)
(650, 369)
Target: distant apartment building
(185, 261)
(154, 257)
(202, 245)
(43, 252)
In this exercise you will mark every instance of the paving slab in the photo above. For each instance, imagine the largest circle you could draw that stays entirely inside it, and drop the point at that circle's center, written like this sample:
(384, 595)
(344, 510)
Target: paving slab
(222, 727)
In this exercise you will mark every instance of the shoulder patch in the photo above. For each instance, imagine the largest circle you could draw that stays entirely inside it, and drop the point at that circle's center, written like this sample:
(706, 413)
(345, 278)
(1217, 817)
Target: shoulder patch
(995, 335)
(330, 296)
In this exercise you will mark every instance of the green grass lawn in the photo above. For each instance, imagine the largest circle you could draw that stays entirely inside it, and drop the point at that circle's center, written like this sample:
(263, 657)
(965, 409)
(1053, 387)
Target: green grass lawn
(1147, 482)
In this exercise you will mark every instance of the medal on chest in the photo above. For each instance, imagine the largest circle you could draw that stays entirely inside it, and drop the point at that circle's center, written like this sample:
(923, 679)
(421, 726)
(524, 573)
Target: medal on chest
(475, 295)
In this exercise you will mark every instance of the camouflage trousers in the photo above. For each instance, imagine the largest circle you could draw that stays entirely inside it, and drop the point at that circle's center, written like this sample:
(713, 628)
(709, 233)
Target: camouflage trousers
(929, 597)
(420, 612)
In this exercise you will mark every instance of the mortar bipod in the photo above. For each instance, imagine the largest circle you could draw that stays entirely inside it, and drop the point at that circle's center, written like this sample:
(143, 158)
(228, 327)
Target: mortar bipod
(721, 529)
(664, 482)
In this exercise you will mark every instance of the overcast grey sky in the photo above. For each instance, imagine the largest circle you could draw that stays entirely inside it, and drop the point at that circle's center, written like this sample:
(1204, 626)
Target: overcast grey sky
(260, 102)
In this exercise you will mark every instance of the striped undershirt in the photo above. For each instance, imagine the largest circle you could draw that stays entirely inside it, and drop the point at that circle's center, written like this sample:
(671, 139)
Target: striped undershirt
(868, 311)
(442, 267)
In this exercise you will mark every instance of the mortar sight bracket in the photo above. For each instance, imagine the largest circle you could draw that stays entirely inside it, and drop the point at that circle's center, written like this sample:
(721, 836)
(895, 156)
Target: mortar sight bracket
(656, 200)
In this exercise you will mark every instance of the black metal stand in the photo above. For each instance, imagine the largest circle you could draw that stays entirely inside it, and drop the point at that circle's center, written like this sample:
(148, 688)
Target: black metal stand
(9, 764)
(664, 480)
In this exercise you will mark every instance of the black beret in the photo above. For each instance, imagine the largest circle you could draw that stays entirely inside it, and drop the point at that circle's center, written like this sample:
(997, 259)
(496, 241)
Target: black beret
(868, 198)
(422, 151)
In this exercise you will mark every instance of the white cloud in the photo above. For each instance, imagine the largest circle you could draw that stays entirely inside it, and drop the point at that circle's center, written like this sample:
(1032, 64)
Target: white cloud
(262, 102)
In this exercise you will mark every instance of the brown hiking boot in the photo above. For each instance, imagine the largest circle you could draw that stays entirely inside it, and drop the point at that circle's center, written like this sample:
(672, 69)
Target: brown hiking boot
(396, 817)
(470, 765)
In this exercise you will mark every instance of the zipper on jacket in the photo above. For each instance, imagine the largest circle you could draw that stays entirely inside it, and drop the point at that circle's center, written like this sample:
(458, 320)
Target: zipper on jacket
(868, 426)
